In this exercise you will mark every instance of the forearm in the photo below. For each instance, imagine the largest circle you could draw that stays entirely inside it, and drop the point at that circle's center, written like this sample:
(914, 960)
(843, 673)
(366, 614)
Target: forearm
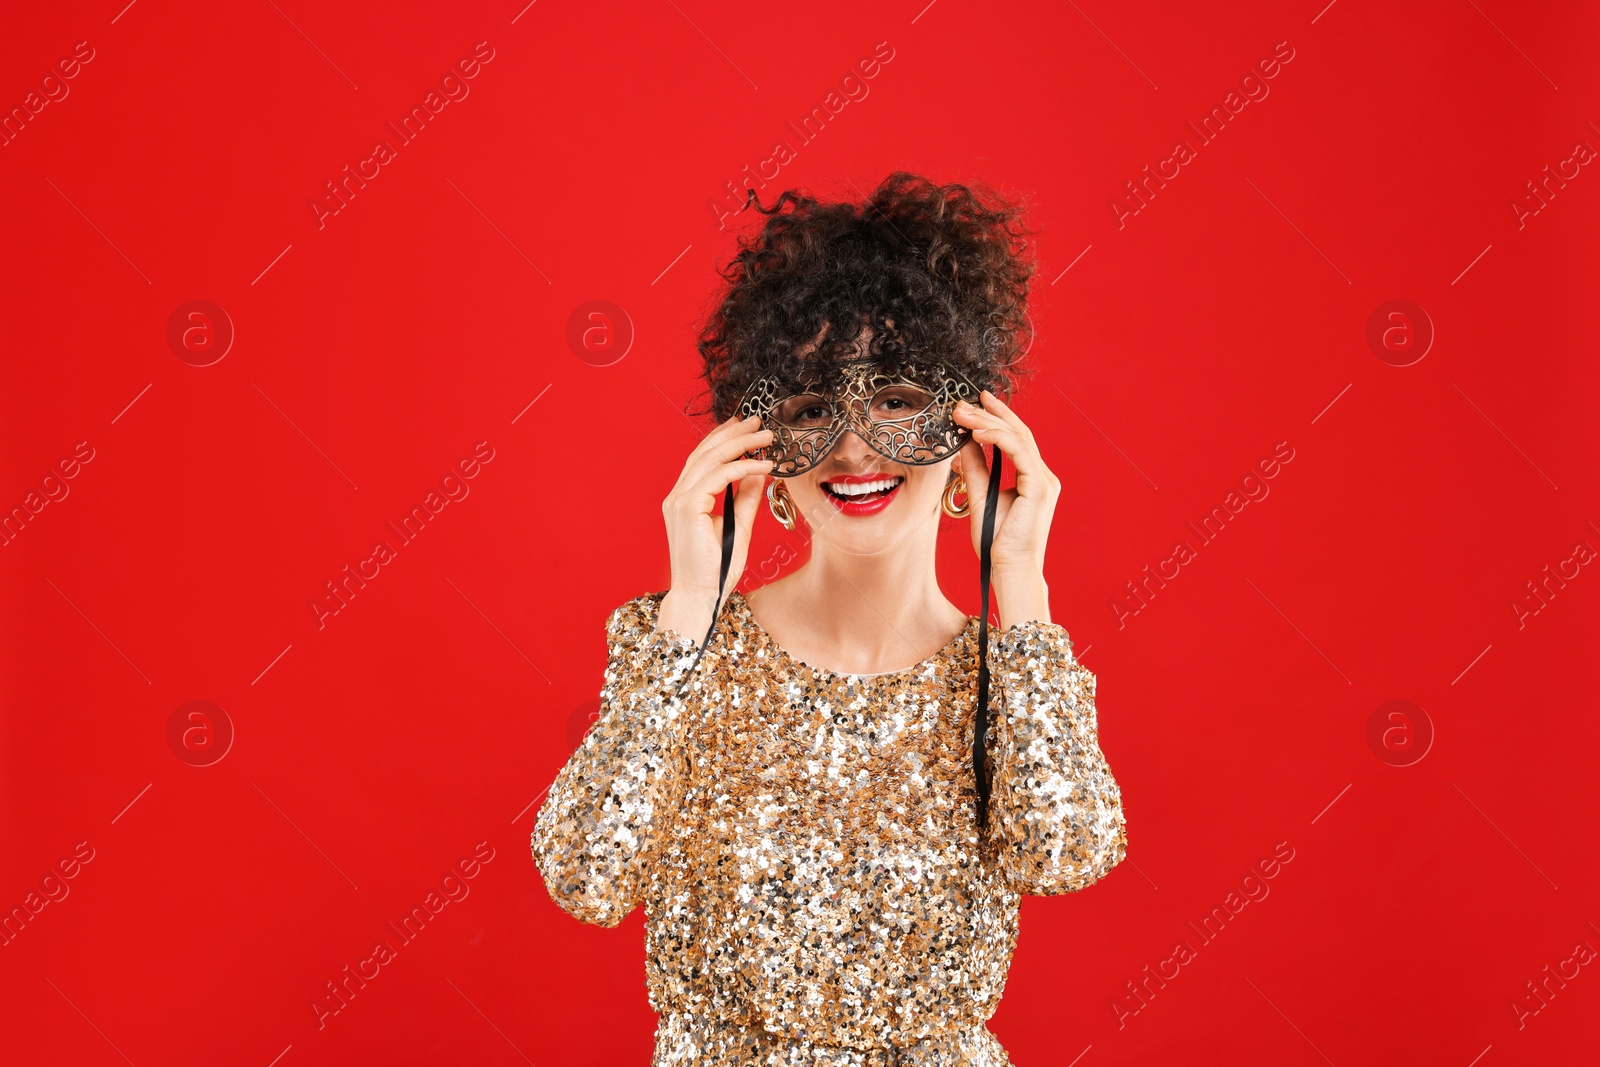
(686, 612)
(1056, 809)
(595, 833)
(1021, 597)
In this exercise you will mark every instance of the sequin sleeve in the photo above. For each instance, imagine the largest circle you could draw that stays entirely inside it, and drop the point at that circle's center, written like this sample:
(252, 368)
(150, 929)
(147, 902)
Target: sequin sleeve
(1055, 809)
(596, 830)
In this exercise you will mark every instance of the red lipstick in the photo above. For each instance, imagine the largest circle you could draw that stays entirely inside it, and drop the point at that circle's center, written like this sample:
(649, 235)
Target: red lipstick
(863, 504)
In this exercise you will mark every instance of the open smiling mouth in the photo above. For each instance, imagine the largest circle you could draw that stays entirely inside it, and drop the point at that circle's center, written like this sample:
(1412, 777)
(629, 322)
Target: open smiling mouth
(863, 495)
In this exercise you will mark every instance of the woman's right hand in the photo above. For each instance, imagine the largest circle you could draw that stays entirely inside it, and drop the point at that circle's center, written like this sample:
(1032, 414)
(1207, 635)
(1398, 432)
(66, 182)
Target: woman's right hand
(694, 531)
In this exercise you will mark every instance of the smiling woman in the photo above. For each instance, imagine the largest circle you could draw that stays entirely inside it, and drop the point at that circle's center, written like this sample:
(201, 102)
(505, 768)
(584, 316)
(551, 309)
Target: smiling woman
(831, 845)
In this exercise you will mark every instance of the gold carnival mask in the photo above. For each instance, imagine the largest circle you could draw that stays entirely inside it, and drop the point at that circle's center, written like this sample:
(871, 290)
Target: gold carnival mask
(903, 419)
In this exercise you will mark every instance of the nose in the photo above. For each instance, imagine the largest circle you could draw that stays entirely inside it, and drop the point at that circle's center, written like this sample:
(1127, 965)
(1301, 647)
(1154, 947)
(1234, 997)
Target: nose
(852, 455)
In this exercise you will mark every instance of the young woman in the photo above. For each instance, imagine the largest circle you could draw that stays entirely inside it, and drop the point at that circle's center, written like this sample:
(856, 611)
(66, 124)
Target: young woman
(830, 850)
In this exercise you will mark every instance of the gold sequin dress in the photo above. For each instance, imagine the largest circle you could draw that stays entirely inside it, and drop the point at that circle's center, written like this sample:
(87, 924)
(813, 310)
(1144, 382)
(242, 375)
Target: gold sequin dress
(805, 843)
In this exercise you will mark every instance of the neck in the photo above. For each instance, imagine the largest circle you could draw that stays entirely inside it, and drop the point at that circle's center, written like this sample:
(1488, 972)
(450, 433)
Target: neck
(882, 604)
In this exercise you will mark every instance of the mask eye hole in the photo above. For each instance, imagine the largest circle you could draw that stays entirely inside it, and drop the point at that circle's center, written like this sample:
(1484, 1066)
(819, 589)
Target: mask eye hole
(899, 402)
(804, 412)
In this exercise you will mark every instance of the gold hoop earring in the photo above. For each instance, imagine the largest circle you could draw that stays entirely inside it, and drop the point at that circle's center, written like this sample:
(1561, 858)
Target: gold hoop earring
(781, 504)
(958, 484)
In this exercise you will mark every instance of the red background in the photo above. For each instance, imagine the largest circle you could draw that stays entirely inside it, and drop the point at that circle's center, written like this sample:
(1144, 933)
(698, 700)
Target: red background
(430, 713)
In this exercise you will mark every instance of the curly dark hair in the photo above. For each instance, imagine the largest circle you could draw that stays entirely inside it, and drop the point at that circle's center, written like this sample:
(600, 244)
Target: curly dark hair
(939, 272)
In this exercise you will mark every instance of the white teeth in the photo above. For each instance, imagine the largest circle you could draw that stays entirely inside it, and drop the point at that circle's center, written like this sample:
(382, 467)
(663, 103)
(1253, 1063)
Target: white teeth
(863, 488)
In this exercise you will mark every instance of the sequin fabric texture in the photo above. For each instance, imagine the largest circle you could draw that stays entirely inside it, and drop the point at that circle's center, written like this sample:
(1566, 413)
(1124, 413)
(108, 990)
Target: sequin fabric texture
(805, 843)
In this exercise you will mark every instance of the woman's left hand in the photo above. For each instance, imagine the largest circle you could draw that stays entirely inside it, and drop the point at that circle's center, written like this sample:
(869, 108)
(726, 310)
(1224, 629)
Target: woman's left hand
(1022, 515)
